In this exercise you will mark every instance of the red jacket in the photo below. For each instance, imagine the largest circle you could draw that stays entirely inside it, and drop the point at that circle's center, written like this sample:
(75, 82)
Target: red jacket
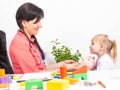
(24, 58)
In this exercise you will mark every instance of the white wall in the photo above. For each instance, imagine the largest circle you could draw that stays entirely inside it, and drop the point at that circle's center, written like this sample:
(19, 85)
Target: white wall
(74, 22)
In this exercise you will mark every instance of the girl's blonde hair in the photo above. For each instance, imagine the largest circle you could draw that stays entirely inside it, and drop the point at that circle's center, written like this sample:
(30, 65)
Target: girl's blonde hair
(111, 46)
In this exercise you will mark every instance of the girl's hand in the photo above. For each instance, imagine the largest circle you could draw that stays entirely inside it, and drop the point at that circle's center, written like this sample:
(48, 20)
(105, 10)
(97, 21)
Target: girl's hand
(90, 61)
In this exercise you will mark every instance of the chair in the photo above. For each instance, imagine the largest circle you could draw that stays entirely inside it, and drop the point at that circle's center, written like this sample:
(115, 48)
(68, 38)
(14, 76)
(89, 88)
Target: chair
(4, 60)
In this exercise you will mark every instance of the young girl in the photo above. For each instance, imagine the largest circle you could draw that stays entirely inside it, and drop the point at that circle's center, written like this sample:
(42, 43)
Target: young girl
(106, 50)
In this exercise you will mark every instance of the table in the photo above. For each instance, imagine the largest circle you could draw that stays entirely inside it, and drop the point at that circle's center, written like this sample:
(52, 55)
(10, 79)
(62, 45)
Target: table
(110, 78)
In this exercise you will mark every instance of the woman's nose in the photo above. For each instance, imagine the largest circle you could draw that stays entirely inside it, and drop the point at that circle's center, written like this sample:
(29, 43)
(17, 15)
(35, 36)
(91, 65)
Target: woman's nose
(39, 24)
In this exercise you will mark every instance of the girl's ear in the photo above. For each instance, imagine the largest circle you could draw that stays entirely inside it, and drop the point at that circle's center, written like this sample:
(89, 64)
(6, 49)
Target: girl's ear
(102, 47)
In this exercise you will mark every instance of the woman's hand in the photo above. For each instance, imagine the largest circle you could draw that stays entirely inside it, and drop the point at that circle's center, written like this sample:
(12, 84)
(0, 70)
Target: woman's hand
(65, 62)
(68, 61)
(70, 64)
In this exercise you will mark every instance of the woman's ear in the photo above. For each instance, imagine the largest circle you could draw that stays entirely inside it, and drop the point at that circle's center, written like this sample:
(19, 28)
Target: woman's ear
(24, 23)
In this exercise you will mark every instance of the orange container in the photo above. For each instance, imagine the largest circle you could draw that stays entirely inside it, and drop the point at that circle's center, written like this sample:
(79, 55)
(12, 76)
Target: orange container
(63, 72)
(2, 72)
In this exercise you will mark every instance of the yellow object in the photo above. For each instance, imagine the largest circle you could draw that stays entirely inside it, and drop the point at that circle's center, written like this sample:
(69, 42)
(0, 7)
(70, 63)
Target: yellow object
(59, 72)
(4, 85)
(53, 73)
(22, 84)
(15, 77)
(72, 80)
(58, 84)
(2, 72)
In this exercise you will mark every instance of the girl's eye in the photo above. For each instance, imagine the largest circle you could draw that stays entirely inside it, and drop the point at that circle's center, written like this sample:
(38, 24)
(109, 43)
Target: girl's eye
(92, 43)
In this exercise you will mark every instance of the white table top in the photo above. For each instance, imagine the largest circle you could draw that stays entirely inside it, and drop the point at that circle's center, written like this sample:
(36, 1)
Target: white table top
(110, 78)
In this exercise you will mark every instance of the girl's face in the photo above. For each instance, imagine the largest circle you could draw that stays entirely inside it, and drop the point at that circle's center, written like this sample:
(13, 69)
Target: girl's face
(31, 27)
(95, 47)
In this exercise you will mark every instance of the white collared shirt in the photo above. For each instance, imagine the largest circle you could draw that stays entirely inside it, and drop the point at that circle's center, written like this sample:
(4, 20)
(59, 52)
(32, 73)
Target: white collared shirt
(105, 63)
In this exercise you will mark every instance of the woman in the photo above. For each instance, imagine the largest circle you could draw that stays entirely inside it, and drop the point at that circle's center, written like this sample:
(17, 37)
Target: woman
(25, 52)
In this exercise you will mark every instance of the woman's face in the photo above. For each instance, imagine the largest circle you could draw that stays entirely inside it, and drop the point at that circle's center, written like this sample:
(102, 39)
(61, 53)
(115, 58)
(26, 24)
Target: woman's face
(31, 27)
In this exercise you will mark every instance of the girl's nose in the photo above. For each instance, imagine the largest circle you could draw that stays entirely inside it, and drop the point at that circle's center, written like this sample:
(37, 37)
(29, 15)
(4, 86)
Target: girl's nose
(90, 46)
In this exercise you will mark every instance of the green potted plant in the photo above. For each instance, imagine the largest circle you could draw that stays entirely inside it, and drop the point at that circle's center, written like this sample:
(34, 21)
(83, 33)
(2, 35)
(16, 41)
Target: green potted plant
(63, 53)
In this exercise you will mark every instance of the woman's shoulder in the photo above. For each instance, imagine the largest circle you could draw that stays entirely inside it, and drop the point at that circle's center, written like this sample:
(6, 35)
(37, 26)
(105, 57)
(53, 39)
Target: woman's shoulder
(19, 40)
